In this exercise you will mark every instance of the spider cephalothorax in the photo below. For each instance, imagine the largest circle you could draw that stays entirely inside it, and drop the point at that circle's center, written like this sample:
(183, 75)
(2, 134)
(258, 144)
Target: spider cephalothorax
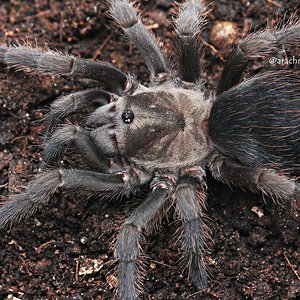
(157, 121)
(167, 134)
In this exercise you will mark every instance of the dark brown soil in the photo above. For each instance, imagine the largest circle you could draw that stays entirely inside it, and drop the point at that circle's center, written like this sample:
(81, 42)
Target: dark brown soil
(252, 257)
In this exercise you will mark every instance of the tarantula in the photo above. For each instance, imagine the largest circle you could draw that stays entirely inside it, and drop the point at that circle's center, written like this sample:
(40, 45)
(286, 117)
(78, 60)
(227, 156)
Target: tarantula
(168, 133)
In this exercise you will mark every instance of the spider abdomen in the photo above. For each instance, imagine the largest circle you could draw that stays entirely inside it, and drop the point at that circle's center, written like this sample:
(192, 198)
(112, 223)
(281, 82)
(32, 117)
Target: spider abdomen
(261, 131)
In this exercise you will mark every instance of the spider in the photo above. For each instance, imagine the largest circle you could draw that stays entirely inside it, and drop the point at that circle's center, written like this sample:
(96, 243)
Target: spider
(167, 134)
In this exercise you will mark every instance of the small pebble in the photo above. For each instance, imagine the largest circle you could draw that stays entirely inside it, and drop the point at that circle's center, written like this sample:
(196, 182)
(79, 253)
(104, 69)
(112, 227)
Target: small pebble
(89, 265)
(152, 265)
(10, 34)
(12, 297)
(112, 281)
(223, 34)
(83, 240)
(258, 211)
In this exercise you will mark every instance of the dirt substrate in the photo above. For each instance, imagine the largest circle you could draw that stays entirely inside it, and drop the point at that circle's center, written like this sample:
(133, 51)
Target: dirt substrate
(50, 255)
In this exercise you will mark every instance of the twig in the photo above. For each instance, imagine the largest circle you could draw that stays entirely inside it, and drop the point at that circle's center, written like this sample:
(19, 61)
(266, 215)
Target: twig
(207, 292)
(99, 51)
(163, 264)
(38, 15)
(275, 3)
(45, 245)
(77, 271)
(25, 265)
(291, 266)
(212, 48)
(194, 294)
(20, 138)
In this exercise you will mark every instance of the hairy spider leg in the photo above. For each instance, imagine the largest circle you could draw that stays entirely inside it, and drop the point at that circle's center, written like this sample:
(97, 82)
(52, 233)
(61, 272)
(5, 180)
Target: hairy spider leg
(257, 45)
(94, 152)
(102, 115)
(40, 190)
(29, 59)
(66, 105)
(127, 247)
(125, 15)
(190, 205)
(189, 24)
(267, 181)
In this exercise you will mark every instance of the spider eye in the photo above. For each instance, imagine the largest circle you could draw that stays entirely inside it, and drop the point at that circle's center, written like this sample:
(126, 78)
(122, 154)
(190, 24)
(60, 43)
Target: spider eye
(127, 116)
